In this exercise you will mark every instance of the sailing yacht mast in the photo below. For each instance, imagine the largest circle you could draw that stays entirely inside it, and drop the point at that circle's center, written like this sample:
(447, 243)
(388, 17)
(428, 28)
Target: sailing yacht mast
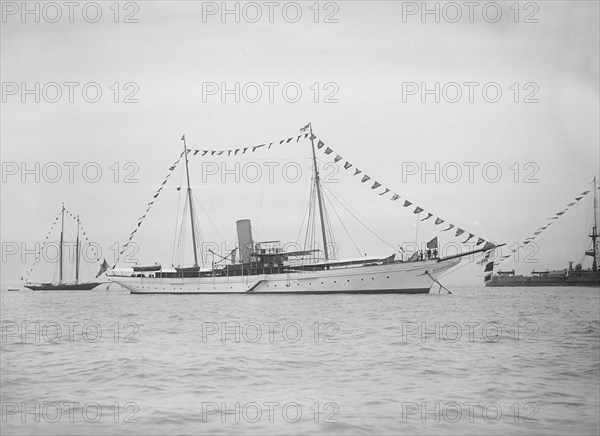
(77, 254)
(189, 194)
(318, 186)
(60, 251)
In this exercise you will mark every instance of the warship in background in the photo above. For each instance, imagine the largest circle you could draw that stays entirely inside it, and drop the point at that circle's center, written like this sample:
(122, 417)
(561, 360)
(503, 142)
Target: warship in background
(571, 276)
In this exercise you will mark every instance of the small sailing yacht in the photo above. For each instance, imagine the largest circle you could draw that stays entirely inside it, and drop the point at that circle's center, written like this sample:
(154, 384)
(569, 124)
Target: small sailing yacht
(62, 285)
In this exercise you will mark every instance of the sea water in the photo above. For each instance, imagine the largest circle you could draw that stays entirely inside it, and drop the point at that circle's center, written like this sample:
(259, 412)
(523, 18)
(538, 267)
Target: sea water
(479, 361)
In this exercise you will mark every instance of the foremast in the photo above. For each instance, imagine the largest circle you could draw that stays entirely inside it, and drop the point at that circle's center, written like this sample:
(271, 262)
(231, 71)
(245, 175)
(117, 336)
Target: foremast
(189, 195)
(318, 188)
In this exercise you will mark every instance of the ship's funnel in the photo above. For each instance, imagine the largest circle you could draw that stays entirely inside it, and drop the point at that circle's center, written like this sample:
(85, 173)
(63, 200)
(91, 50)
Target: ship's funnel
(244, 233)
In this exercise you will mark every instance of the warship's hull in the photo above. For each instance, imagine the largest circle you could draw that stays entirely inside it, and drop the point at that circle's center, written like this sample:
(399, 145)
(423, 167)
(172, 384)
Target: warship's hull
(63, 287)
(397, 277)
(570, 278)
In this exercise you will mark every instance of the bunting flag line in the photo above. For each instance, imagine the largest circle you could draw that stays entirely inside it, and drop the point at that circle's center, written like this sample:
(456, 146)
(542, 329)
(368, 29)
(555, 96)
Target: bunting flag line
(234, 151)
(151, 203)
(338, 159)
(37, 258)
(95, 252)
(550, 220)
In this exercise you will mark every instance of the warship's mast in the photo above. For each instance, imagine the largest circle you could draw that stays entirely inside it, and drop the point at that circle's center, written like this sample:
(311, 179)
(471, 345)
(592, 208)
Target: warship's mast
(594, 234)
(319, 199)
(60, 251)
(189, 194)
(77, 254)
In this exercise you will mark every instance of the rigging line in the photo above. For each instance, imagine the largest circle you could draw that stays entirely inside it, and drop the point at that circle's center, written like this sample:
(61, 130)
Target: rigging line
(328, 227)
(361, 222)
(310, 216)
(417, 230)
(207, 215)
(199, 241)
(176, 217)
(182, 233)
(197, 235)
(312, 241)
(343, 225)
(304, 217)
(214, 209)
(180, 260)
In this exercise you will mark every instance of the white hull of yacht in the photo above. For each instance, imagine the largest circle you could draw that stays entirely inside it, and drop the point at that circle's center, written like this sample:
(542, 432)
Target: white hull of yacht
(404, 277)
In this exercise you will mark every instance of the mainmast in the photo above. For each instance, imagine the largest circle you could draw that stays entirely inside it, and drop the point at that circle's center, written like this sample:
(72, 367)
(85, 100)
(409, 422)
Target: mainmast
(60, 250)
(189, 194)
(594, 234)
(318, 186)
(77, 254)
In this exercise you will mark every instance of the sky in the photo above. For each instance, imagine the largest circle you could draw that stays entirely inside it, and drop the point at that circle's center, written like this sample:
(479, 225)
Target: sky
(363, 70)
